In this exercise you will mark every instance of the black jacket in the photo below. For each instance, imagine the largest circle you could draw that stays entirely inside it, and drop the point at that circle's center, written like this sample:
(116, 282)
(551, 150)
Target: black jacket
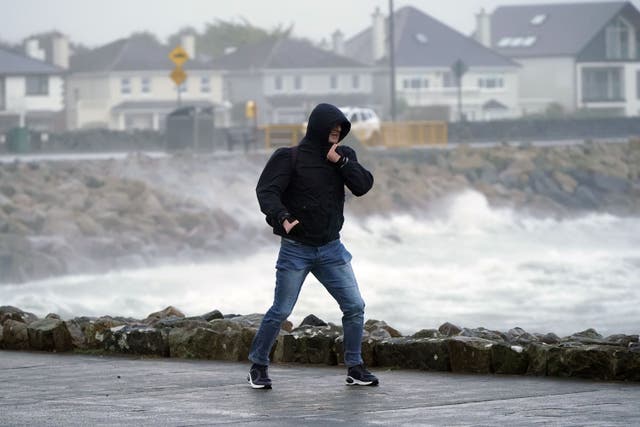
(311, 189)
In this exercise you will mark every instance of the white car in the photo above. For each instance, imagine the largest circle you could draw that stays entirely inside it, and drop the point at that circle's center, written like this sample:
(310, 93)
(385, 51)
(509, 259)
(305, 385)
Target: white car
(365, 124)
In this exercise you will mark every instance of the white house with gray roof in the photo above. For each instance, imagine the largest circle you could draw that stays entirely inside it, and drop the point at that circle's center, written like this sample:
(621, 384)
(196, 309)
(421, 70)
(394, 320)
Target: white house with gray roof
(125, 85)
(288, 77)
(425, 50)
(577, 55)
(31, 92)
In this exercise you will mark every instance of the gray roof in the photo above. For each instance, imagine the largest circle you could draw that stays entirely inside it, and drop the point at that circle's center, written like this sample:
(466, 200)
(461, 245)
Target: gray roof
(423, 41)
(136, 53)
(282, 53)
(12, 63)
(565, 30)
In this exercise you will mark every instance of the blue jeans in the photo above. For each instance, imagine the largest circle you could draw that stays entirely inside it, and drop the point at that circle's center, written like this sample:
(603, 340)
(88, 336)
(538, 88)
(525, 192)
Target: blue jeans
(331, 265)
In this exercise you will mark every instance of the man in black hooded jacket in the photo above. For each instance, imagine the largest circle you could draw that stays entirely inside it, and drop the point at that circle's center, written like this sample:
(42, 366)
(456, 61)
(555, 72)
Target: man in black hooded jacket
(301, 192)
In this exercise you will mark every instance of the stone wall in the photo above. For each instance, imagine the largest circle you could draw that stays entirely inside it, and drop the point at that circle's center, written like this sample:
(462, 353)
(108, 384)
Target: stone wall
(168, 333)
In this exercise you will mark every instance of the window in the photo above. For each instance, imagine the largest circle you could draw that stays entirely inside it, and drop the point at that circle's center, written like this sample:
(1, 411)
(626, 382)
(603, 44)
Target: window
(205, 84)
(125, 86)
(333, 82)
(297, 83)
(617, 40)
(37, 85)
(355, 82)
(277, 83)
(415, 83)
(448, 80)
(491, 82)
(145, 85)
(602, 84)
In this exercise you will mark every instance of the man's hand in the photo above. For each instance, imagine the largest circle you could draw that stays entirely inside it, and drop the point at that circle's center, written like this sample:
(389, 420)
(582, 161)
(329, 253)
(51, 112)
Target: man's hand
(289, 225)
(332, 156)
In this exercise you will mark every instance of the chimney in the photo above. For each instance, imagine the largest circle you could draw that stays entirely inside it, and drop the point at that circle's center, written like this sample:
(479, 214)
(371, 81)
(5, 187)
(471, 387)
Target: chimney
(32, 49)
(378, 35)
(338, 42)
(483, 28)
(188, 43)
(60, 51)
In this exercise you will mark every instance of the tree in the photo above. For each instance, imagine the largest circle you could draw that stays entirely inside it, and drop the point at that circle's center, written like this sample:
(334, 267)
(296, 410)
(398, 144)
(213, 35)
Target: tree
(220, 35)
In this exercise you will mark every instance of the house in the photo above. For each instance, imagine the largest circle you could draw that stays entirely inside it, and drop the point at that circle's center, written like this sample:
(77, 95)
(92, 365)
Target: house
(579, 56)
(425, 51)
(31, 92)
(287, 77)
(125, 85)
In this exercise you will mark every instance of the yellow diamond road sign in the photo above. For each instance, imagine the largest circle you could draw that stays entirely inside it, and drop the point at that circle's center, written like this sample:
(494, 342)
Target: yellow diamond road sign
(178, 76)
(179, 56)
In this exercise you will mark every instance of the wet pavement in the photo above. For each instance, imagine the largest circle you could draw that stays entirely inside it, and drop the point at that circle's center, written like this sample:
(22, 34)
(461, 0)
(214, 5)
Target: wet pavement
(46, 389)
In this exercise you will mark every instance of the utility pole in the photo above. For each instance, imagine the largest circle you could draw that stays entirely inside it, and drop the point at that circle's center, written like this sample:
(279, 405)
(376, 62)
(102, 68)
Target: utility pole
(392, 62)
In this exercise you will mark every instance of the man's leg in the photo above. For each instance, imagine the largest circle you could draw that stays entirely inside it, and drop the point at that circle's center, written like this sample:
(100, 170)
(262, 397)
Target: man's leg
(288, 285)
(337, 276)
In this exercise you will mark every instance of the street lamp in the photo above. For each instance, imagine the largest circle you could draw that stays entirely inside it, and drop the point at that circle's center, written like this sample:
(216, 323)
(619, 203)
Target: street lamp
(459, 68)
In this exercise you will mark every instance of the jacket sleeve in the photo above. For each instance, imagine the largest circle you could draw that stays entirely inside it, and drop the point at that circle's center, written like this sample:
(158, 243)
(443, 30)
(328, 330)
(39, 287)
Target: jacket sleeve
(357, 179)
(272, 183)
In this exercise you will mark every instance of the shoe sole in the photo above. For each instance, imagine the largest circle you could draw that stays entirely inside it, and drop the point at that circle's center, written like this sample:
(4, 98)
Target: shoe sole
(353, 381)
(258, 386)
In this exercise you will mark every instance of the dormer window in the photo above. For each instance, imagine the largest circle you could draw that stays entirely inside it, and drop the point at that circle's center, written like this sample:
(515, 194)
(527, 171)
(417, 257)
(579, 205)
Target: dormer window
(538, 19)
(618, 40)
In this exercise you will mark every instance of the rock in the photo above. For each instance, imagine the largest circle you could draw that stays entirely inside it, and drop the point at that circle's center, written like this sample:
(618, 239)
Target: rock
(312, 320)
(376, 325)
(626, 364)
(469, 354)
(49, 335)
(223, 340)
(449, 329)
(413, 353)
(549, 338)
(591, 361)
(158, 315)
(520, 336)
(621, 339)
(15, 335)
(427, 333)
(483, 333)
(135, 339)
(8, 312)
(508, 359)
(215, 314)
(310, 344)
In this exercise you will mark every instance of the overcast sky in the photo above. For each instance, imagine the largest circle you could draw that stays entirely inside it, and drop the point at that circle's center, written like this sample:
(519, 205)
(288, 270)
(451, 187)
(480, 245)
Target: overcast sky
(97, 22)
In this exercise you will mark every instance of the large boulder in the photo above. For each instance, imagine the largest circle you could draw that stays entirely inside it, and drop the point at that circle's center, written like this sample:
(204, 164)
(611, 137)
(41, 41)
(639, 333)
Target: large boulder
(413, 353)
(508, 359)
(49, 335)
(8, 312)
(310, 344)
(469, 354)
(136, 339)
(15, 335)
(168, 312)
(221, 340)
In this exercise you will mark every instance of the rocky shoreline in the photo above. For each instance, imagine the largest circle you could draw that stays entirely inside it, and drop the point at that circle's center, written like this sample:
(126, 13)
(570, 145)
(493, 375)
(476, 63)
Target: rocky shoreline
(88, 216)
(214, 336)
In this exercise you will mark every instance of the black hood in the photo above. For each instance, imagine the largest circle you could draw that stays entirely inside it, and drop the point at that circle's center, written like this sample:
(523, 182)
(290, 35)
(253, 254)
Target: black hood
(323, 118)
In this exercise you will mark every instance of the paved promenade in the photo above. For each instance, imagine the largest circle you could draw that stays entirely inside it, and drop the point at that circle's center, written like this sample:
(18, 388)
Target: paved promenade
(42, 389)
